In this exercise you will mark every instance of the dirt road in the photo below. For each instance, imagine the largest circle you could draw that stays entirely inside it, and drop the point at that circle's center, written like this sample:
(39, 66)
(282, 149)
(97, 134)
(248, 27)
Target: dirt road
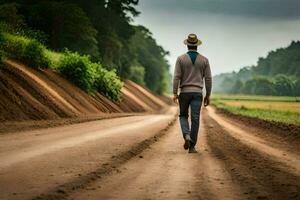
(34, 162)
(235, 161)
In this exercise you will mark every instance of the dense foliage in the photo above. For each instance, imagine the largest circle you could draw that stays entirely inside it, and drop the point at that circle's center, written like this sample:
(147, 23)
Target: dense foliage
(108, 82)
(152, 58)
(28, 51)
(89, 76)
(78, 69)
(101, 29)
(277, 74)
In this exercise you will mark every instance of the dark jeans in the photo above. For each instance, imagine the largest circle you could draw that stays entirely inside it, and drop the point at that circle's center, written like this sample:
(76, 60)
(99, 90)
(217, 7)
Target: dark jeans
(193, 100)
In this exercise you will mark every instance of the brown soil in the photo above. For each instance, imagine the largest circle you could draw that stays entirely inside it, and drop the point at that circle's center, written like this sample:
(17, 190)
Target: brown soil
(236, 161)
(264, 166)
(138, 96)
(9, 127)
(233, 163)
(58, 160)
(28, 94)
(287, 132)
(133, 157)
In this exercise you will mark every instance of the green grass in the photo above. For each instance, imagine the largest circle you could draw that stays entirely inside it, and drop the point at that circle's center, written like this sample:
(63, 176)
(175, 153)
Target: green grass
(256, 98)
(287, 117)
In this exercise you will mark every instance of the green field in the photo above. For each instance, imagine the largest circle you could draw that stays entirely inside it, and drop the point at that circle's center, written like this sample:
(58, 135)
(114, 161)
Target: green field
(271, 108)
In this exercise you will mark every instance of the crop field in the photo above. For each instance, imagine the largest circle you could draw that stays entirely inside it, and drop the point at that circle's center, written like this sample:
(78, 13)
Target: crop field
(271, 108)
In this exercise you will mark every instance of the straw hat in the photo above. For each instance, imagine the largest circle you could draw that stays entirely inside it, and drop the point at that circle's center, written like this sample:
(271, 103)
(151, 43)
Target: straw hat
(192, 40)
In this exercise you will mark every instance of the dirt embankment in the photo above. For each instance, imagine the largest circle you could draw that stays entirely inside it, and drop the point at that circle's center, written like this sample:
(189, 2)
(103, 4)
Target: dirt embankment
(27, 95)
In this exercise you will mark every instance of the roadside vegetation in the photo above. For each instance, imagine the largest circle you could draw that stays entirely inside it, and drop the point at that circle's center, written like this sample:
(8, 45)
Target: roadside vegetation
(77, 68)
(25, 50)
(270, 108)
(88, 75)
(101, 29)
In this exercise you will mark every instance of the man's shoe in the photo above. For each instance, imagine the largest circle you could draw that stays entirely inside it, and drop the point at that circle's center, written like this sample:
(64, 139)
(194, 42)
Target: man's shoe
(192, 150)
(187, 142)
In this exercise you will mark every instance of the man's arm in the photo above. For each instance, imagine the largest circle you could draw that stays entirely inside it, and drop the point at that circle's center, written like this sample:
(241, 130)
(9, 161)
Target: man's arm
(176, 79)
(208, 83)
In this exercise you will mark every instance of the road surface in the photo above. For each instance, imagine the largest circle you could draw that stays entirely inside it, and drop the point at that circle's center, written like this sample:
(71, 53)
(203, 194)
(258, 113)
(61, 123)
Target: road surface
(89, 161)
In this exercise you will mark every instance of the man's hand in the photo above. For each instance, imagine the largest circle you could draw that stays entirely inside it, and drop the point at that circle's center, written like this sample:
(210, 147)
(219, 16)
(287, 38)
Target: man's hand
(175, 98)
(206, 100)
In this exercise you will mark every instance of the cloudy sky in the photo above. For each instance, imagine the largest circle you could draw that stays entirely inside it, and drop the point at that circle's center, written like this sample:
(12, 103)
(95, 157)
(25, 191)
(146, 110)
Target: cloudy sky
(234, 32)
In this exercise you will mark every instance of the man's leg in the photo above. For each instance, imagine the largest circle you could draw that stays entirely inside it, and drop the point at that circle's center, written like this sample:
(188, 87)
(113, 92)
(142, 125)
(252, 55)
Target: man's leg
(184, 103)
(196, 103)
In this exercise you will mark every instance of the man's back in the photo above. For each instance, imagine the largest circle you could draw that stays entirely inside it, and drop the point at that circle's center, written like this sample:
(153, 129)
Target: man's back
(190, 70)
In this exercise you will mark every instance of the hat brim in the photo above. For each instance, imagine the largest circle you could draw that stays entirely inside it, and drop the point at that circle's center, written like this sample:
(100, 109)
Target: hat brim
(190, 44)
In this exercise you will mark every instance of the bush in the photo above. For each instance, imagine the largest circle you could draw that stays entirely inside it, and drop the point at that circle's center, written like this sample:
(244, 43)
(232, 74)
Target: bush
(78, 69)
(108, 83)
(28, 51)
(90, 76)
(54, 58)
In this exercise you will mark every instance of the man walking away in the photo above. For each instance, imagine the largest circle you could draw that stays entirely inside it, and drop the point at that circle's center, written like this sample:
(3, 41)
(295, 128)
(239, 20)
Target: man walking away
(190, 70)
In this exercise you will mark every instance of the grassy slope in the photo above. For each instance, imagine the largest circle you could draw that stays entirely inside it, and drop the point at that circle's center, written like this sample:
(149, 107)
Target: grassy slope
(288, 117)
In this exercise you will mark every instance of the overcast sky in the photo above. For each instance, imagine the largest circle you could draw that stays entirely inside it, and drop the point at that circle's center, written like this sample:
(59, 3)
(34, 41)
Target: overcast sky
(234, 32)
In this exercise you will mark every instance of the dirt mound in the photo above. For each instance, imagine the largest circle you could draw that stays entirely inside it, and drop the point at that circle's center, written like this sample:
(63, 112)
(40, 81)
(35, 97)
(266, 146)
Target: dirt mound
(29, 94)
(141, 97)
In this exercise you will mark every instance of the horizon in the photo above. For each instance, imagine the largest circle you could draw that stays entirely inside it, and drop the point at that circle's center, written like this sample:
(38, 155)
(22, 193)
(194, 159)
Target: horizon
(268, 27)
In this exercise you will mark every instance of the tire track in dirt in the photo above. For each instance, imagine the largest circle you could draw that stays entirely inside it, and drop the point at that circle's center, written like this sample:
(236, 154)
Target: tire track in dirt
(63, 191)
(60, 144)
(260, 175)
(288, 159)
(56, 161)
(166, 171)
(229, 166)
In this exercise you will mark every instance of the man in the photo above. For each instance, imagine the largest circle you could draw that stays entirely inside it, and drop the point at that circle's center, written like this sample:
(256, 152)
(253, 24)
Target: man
(190, 70)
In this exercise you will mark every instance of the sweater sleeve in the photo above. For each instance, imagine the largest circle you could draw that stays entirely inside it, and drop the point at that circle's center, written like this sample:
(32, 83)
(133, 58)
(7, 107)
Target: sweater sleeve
(177, 77)
(208, 79)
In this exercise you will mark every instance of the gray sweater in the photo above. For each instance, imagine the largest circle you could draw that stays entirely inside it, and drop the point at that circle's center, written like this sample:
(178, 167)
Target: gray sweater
(189, 77)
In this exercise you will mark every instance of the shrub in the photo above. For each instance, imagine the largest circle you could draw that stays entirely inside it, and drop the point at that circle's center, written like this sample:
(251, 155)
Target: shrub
(108, 83)
(90, 76)
(54, 58)
(78, 69)
(28, 51)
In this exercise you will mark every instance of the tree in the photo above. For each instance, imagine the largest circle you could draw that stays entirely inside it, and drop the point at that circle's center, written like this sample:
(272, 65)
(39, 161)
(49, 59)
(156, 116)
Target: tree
(152, 57)
(66, 24)
(259, 85)
(102, 29)
(237, 87)
(283, 85)
(137, 74)
(283, 64)
(10, 16)
(227, 84)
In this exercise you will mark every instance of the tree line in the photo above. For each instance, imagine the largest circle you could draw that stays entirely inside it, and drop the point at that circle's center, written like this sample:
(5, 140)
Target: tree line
(276, 74)
(101, 29)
